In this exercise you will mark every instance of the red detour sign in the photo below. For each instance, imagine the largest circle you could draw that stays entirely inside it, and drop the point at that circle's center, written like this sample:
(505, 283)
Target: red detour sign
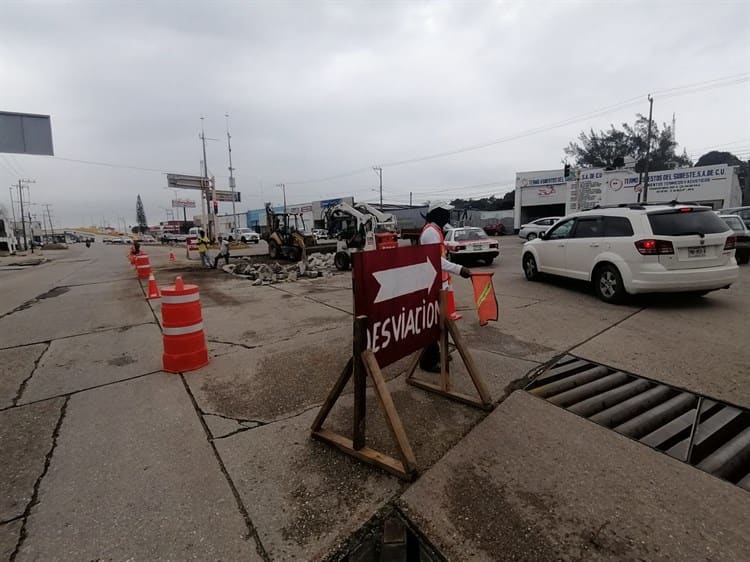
(398, 291)
(192, 243)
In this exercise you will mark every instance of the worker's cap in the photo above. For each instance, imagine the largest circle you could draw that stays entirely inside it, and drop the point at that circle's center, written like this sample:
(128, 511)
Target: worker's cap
(439, 205)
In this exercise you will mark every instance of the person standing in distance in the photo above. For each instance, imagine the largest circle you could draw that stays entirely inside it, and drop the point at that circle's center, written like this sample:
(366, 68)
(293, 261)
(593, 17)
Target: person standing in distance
(223, 252)
(438, 215)
(203, 243)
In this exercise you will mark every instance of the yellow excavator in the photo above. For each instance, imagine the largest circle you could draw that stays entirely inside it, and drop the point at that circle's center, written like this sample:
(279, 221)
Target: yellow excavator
(287, 237)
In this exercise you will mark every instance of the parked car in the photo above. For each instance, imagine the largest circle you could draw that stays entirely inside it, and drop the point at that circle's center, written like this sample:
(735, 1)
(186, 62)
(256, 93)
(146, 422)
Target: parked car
(742, 232)
(496, 229)
(742, 212)
(244, 235)
(637, 249)
(535, 228)
(470, 243)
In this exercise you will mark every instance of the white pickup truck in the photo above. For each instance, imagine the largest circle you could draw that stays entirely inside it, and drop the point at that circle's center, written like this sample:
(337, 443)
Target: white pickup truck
(244, 235)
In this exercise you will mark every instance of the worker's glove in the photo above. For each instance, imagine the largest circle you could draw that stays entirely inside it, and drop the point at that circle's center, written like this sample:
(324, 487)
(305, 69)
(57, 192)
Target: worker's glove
(465, 272)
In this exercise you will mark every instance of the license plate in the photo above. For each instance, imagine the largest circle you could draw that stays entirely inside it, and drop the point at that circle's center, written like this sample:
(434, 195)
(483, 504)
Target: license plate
(478, 246)
(697, 252)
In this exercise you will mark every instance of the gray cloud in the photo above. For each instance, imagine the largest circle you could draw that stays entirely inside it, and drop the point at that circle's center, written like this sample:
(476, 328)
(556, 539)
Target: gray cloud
(319, 88)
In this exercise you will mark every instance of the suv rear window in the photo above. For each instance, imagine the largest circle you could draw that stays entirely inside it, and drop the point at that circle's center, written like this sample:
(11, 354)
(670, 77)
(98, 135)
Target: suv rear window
(617, 226)
(680, 223)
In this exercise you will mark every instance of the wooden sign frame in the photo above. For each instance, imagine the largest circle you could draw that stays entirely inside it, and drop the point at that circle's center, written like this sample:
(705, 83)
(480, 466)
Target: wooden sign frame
(362, 365)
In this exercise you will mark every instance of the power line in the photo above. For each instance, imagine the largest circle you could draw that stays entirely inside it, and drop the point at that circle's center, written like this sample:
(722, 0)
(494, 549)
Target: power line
(664, 93)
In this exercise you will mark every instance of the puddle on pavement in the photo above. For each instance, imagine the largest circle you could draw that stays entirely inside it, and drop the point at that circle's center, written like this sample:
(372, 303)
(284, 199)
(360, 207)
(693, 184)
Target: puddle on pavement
(391, 537)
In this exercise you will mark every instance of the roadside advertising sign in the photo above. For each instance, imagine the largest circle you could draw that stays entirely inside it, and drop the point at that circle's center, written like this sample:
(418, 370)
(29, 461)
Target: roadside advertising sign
(183, 203)
(398, 290)
(226, 196)
(181, 181)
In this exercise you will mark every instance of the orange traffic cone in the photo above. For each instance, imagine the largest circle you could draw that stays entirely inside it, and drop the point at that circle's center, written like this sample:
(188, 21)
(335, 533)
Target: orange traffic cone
(153, 290)
(171, 256)
(451, 306)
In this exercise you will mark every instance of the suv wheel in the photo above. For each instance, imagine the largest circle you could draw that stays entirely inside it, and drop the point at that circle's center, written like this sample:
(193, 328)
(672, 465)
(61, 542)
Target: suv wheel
(531, 236)
(608, 284)
(530, 269)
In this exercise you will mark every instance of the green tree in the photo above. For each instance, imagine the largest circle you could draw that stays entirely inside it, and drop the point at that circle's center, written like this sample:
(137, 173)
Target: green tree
(602, 149)
(140, 215)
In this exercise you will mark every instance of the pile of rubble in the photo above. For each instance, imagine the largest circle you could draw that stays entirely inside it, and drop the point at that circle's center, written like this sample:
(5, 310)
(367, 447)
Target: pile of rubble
(318, 265)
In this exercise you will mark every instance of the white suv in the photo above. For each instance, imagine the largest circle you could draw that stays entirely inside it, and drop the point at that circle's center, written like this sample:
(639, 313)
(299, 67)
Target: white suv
(636, 248)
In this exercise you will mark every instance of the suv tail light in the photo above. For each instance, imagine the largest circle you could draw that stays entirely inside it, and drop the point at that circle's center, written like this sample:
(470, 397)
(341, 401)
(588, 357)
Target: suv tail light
(652, 247)
(730, 243)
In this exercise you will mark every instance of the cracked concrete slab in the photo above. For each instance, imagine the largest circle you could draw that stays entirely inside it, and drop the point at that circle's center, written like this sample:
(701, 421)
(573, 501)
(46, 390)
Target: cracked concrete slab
(9, 535)
(302, 496)
(275, 381)
(535, 482)
(140, 483)
(25, 440)
(16, 365)
(221, 427)
(89, 360)
(716, 366)
(77, 310)
(306, 497)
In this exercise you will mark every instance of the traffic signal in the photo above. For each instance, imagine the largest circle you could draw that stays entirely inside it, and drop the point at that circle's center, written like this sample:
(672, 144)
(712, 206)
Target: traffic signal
(567, 171)
(216, 207)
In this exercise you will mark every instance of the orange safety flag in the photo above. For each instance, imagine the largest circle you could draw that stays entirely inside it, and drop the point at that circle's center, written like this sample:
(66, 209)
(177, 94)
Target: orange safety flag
(484, 297)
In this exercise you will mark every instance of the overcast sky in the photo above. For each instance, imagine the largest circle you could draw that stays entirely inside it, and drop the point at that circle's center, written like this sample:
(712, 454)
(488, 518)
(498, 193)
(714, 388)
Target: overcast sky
(318, 89)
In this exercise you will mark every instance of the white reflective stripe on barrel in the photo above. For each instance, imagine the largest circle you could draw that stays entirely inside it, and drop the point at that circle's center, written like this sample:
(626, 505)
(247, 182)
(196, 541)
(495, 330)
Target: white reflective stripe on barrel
(180, 299)
(182, 330)
(143, 266)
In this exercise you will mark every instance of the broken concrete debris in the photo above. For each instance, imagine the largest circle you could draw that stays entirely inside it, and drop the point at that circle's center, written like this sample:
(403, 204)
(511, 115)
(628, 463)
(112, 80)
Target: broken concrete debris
(318, 265)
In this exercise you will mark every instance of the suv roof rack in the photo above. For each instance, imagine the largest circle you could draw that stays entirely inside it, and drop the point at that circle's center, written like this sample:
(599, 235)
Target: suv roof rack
(617, 206)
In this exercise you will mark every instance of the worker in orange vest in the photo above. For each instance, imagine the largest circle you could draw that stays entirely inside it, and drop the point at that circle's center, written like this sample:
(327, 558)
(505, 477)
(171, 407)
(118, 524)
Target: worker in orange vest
(437, 217)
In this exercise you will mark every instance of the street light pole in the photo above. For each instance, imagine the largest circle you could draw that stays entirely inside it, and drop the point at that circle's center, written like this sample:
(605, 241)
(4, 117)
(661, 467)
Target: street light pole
(231, 174)
(283, 189)
(379, 170)
(648, 147)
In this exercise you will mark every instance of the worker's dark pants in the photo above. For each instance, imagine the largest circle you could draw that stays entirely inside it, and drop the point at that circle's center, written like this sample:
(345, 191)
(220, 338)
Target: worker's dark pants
(218, 257)
(430, 360)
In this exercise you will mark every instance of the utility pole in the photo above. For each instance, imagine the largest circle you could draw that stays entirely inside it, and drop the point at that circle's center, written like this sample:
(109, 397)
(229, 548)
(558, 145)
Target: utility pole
(205, 178)
(13, 210)
(49, 216)
(379, 170)
(648, 147)
(410, 199)
(231, 174)
(23, 219)
(283, 189)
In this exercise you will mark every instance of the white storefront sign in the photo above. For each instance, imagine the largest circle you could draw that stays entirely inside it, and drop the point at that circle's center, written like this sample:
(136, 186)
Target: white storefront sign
(590, 187)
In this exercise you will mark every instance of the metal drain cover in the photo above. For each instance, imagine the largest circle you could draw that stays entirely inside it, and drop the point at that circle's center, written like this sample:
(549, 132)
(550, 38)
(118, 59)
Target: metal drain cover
(703, 432)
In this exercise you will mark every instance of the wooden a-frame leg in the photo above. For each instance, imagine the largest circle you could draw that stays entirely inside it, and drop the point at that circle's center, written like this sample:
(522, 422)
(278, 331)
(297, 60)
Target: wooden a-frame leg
(391, 415)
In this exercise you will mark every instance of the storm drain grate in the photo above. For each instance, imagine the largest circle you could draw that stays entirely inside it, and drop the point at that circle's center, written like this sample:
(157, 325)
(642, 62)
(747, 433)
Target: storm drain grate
(706, 433)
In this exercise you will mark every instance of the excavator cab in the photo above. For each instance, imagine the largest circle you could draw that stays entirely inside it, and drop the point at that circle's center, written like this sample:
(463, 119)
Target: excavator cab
(287, 238)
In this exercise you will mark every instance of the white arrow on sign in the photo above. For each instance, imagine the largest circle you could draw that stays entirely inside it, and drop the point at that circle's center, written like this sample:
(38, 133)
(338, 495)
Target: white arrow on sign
(401, 281)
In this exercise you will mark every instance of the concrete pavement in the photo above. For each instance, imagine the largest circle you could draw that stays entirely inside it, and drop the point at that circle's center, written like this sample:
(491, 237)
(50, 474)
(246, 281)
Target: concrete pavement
(115, 459)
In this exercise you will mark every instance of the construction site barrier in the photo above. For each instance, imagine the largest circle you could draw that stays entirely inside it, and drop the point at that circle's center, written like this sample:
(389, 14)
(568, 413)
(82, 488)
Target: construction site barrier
(142, 266)
(182, 328)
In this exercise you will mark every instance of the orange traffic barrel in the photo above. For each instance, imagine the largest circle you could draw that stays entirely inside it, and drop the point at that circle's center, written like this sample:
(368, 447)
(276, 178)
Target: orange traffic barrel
(386, 240)
(142, 266)
(182, 326)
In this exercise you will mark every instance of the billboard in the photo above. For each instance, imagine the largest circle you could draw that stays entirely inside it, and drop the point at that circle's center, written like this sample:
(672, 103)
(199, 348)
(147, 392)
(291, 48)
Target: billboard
(25, 133)
(183, 203)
